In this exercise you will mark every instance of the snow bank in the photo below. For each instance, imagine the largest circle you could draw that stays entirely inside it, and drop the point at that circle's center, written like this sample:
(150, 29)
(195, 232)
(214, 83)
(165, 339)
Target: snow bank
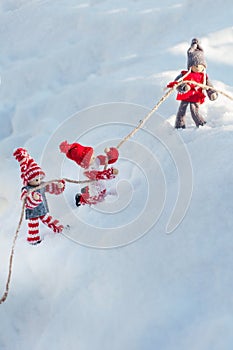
(163, 291)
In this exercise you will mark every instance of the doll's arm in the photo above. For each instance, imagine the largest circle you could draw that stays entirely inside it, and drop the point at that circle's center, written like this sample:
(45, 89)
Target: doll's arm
(110, 157)
(107, 174)
(112, 154)
(55, 187)
(33, 199)
(182, 88)
(211, 93)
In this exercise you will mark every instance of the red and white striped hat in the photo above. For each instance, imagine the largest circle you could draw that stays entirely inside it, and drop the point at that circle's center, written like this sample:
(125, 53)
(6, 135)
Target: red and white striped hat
(30, 170)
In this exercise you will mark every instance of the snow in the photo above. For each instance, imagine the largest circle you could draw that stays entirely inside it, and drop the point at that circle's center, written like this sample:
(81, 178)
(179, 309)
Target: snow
(90, 71)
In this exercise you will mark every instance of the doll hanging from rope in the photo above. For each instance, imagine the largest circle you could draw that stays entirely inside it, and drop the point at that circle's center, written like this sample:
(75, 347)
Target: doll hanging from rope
(84, 156)
(191, 94)
(35, 201)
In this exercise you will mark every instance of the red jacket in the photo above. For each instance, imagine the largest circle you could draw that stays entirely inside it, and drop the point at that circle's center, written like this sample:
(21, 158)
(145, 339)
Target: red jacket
(195, 94)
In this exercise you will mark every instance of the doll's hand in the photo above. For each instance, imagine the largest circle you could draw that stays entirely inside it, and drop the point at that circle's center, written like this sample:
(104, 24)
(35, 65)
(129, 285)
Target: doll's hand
(60, 184)
(213, 96)
(183, 88)
(172, 84)
(36, 196)
(115, 171)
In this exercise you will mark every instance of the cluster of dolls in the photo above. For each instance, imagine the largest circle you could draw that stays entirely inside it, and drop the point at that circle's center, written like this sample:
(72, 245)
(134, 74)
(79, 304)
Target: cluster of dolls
(96, 168)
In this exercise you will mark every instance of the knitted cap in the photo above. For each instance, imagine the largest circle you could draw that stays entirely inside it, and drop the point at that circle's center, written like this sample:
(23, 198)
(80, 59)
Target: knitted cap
(112, 154)
(195, 54)
(78, 153)
(30, 170)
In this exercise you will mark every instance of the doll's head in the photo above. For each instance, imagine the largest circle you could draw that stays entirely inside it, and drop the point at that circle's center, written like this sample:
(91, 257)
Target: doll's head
(198, 68)
(31, 173)
(35, 182)
(196, 58)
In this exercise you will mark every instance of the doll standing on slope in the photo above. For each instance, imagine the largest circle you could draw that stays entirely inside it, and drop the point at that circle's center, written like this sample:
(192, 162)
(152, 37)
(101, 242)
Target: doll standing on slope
(191, 94)
(36, 203)
(84, 156)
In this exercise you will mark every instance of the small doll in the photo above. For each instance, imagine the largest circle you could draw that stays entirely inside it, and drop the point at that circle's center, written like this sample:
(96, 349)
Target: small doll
(84, 156)
(35, 201)
(190, 93)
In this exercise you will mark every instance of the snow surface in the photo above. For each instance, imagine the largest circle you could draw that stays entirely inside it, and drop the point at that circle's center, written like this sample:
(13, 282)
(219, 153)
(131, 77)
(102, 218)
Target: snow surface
(162, 291)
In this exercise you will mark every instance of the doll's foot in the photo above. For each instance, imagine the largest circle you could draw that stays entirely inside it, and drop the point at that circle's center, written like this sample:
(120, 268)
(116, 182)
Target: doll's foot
(55, 227)
(201, 123)
(180, 127)
(35, 243)
(77, 199)
(58, 229)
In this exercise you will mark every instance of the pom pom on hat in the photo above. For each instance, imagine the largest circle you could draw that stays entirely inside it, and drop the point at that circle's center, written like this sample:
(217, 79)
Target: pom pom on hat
(78, 153)
(194, 41)
(64, 147)
(112, 154)
(30, 170)
(196, 54)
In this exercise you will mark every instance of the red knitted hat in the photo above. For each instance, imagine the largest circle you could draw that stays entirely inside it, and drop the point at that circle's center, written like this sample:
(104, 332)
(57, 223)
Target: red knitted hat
(112, 154)
(78, 153)
(30, 170)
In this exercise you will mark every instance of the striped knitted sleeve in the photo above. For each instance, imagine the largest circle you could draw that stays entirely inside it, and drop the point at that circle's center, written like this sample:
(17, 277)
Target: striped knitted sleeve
(31, 202)
(55, 187)
(100, 175)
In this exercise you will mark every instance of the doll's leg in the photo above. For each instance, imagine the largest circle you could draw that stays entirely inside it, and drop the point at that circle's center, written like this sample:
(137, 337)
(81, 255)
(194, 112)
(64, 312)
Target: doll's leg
(51, 223)
(180, 117)
(81, 198)
(85, 198)
(198, 119)
(33, 231)
(98, 198)
(78, 198)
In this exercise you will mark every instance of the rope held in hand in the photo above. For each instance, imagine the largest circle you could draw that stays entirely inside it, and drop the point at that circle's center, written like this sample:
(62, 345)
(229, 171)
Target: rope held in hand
(126, 138)
(5, 294)
(163, 98)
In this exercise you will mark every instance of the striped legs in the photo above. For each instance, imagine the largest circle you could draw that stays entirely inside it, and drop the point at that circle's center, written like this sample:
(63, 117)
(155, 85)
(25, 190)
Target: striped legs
(33, 227)
(51, 223)
(33, 231)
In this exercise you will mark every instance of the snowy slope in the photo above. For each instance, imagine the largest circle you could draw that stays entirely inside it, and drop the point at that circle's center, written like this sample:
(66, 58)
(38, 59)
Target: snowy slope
(62, 61)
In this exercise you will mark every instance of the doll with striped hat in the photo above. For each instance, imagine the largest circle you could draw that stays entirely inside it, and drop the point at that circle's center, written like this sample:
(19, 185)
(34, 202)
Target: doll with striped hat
(35, 199)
